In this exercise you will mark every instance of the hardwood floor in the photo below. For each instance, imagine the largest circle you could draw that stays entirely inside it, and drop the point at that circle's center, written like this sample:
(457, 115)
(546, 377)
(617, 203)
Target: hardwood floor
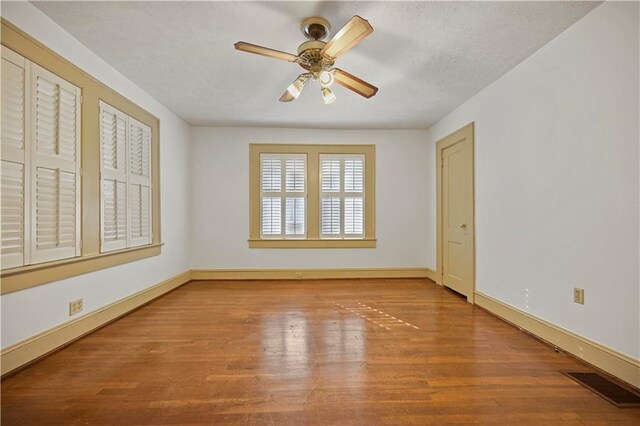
(356, 352)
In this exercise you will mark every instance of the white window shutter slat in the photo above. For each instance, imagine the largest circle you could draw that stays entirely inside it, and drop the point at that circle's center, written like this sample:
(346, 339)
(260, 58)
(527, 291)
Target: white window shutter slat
(330, 174)
(295, 185)
(353, 216)
(271, 216)
(13, 174)
(14, 90)
(139, 178)
(47, 208)
(67, 125)
(67, 199)
(295, 216)
(114, 214)
(12, 210)
(330, 216)
(295, 174)
(113, 172)
(353, 175)
(55, 166)
(135, 221)
(353, 206)
(271, 174)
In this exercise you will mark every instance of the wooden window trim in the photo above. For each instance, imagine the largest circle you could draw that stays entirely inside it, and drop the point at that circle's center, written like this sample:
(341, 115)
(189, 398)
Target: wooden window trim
(92, 92)
(313, 152)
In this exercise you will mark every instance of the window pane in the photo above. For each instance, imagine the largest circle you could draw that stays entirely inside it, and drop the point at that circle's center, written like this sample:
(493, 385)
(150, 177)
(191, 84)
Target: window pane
(295, 216)
(295, 174)
(330, 171)
(353, 217)
(271, 216)
(330, 216)
(353, 174)
(271, 174)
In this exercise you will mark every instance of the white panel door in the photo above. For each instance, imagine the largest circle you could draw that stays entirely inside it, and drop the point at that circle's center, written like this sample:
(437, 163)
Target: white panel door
(457, 217)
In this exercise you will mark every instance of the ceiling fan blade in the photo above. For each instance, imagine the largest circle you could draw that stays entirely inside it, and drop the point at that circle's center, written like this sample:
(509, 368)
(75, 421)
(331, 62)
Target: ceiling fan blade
(353, 83)
(265, 51)
(287, 97)
(351, 34)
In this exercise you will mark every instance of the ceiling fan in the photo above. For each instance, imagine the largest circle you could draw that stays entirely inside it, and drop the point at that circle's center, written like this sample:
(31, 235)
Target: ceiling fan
(318, 57)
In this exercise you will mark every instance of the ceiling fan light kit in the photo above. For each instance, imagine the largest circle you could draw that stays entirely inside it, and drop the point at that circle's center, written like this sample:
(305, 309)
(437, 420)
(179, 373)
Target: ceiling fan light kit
(328, 96)
(295, 89)
(318, 57)
(326, 78)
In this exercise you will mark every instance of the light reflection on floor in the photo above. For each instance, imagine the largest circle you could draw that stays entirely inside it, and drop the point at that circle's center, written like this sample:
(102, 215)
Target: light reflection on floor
(331, 349)
(375, 316)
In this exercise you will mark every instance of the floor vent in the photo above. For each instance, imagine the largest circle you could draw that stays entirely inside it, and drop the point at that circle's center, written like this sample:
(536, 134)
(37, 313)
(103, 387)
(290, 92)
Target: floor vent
(619, 396)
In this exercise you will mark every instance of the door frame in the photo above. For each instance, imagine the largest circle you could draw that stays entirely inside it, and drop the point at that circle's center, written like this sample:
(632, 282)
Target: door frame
(441, 145)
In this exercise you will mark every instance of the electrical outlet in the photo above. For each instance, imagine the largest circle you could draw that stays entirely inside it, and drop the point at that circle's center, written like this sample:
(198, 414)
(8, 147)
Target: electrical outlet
(578, 295)
(75, 307)
(298, 274)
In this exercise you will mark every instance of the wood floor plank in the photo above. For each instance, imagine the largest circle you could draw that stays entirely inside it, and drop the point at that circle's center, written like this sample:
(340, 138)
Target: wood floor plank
(353, 352)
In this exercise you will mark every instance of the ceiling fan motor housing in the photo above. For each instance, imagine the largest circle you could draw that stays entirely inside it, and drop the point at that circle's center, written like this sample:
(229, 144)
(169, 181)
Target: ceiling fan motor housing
(312, 60)
(315, 28)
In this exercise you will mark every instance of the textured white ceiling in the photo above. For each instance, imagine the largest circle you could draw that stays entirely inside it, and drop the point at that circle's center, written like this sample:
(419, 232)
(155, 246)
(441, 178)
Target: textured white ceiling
(426, 57)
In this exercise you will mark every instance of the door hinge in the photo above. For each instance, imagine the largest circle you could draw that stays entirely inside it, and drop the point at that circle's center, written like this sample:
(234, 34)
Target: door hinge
(81, 171)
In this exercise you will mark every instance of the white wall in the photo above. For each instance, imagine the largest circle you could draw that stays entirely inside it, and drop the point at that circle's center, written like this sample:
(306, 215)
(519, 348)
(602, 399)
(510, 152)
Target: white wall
(220, 200)
(557, 189)
(31, 311)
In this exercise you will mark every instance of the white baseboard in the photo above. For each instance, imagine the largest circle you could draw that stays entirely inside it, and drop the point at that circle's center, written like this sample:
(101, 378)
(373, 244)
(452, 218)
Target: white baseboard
(613, 362)
(307, 274)
(26, 351)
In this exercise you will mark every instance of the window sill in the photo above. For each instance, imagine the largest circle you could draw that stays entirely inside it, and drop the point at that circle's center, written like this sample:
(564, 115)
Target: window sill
(313, 243)
(33, 275)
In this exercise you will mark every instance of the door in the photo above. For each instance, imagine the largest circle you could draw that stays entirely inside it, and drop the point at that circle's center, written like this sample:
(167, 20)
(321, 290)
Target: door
(456, 219)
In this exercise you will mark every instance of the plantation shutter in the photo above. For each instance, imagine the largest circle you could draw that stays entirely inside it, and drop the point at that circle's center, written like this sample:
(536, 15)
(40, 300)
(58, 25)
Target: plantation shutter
(55, 167)
(295, 201)
(342, 196)
(113, 178)
(330, 200)
(283, 190)
(14, 73)
(139, 181)
(271, 199)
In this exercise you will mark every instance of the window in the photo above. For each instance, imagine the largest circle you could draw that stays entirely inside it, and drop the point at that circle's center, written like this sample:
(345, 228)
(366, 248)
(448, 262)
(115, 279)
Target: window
(276, 197)
(65, 175)
(125, 168)
(312, 196)
(342, 196)
(40, 178)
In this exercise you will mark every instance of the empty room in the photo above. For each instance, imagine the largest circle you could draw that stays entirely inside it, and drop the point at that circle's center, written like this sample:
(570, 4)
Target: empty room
(320, 213)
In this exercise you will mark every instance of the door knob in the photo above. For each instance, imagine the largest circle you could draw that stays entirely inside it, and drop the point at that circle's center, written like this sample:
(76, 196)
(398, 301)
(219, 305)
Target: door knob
(463, 226)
